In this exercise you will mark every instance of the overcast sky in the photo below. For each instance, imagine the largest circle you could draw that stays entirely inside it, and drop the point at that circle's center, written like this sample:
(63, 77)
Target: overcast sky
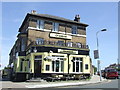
(97, 15)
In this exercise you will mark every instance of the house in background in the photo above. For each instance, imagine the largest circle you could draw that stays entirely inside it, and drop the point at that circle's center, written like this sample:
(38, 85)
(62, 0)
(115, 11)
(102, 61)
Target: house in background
(50, 46)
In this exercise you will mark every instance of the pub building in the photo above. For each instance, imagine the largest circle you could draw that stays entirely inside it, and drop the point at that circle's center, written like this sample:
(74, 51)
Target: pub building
(50, 46)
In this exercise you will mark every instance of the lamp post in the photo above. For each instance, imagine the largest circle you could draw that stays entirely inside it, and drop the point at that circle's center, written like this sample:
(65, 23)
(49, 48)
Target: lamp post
(98, 61)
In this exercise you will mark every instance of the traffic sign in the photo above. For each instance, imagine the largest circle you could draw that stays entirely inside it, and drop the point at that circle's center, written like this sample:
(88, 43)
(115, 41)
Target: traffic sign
(96, 54)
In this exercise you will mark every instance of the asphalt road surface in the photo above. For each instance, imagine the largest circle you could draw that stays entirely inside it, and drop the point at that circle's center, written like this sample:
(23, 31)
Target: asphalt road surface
(113, 83)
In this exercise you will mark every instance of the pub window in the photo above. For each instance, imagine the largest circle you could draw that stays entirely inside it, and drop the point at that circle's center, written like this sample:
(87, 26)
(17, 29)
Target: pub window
(38, 57)
(81, 64)
(69, 44)
(55, 26)
(21, 64)
(25, 69)
(29, 63)
(23, 44)
(53, 65)
(40, 24)
(60, 43)
(47, 67)
(39, 41)
(57, 66)
(86, 66)
(74, 30)
(79, 45)
(77, 66)
(73, 66)
(62, 65)
(16, 55)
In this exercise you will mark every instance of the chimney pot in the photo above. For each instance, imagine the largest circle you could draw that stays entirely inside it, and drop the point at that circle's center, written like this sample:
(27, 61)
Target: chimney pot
(77, 18)
(33, 12)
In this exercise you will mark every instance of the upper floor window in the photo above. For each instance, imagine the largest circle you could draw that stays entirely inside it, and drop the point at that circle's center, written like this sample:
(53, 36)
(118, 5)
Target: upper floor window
(23, 41)
(60, 43)
(55, 27)
(70, 44)
(79, 45)
(74, 30)
(39, 41)
(40, 24)
(16, 55)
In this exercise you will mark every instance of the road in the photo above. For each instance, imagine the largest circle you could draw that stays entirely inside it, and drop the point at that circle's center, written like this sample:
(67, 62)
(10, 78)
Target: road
(111, 84)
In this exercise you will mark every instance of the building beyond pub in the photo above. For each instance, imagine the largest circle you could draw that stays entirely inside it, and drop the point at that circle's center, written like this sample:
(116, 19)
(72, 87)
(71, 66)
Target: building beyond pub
(50, 46)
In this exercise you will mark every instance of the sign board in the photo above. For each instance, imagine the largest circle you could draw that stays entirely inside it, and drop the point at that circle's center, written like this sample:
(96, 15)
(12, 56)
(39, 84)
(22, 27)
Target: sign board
(96, 54)
(56, 35)
(67, 51)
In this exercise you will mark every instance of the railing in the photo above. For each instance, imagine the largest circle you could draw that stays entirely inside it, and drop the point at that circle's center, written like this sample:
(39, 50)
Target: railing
(54, 43)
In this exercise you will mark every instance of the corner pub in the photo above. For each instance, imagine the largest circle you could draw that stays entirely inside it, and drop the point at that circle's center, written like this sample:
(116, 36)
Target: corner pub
(50, 46)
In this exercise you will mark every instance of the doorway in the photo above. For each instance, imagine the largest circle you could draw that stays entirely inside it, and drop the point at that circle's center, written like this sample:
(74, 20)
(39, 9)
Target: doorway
(37, 68)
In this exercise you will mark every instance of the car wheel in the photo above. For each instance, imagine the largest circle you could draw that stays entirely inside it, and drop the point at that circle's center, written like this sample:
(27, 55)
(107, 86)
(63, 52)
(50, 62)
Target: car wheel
(117, 77)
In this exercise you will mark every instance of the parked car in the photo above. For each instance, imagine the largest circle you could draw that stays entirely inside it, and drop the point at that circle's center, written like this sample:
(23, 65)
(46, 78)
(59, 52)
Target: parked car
(103, 73)
(111, 73)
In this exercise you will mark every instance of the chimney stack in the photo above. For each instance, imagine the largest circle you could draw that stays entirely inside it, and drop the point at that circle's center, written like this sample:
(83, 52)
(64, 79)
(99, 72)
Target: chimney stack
(33, 12)
(77, 18)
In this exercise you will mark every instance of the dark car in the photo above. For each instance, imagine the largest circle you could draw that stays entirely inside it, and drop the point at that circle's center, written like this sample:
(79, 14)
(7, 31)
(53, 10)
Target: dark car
(111, 73)
(103, 73)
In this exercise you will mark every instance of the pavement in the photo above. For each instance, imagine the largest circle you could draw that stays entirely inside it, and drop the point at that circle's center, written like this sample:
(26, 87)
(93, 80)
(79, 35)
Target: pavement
(43, 84)
(94, 79)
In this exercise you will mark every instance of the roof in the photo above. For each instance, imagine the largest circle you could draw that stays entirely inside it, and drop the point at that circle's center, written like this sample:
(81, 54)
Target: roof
(58, 18)
(52, 17)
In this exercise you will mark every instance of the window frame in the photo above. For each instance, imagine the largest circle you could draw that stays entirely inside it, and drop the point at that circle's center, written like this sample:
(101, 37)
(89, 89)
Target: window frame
(86, 66)
(60, 64)
(69, 44)
(74, 29)
(55, 27)
(36, 57)
(77, 60)
(47, 68)
(40, 24)
(60, 43)
(39, 41)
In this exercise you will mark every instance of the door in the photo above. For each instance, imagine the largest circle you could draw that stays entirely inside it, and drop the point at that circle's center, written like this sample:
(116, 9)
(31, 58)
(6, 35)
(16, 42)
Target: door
(37, 68)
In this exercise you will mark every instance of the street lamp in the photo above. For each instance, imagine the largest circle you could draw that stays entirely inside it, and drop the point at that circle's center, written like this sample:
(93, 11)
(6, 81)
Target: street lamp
(98, 61)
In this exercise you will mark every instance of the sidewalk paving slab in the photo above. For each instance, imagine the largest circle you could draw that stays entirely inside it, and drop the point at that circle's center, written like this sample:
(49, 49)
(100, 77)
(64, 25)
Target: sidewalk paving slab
(94, 79)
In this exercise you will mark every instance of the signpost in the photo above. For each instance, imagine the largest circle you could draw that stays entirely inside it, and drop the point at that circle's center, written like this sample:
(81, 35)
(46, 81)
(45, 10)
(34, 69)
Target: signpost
(96, 54)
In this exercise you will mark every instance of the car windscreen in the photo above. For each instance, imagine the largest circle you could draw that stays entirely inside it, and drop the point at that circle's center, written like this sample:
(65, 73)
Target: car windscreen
(112, 70)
